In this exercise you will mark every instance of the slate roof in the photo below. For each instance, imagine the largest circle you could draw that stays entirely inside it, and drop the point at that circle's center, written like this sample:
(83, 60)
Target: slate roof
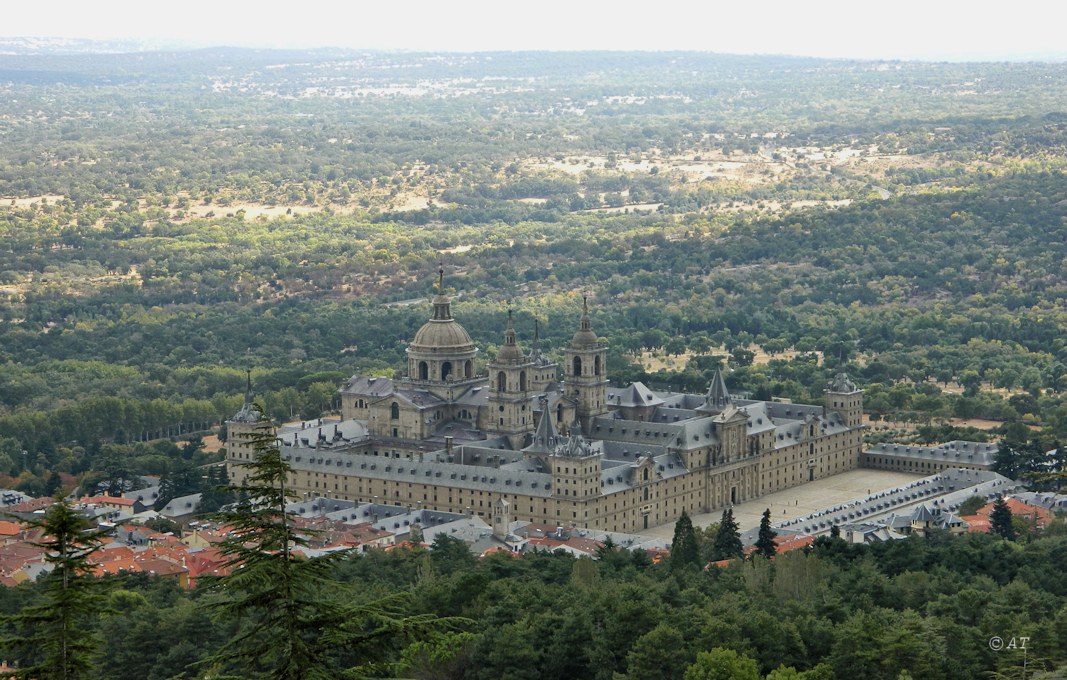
(970, 453)
(322, 434)
(436, 472)
(368, 386)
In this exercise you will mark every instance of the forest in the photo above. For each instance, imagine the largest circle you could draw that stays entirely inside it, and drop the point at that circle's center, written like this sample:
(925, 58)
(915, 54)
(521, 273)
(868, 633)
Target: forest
(917, 608)
(171, 220)
(175, 219)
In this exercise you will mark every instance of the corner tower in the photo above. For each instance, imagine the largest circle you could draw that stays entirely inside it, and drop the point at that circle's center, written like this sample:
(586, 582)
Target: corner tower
(239, 430)
(843, 396)
(584, 372)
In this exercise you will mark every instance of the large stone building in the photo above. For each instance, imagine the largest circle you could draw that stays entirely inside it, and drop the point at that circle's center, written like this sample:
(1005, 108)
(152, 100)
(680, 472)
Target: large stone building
(519, 443)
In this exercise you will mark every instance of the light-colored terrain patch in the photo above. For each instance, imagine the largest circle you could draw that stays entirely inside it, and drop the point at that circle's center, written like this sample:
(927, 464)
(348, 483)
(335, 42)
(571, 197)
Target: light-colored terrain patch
(800, 500)
(658, 361)
(251, 210)
(27, 201)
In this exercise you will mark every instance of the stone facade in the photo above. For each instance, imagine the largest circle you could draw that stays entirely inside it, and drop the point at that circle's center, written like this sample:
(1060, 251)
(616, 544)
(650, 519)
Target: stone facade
(574, 451)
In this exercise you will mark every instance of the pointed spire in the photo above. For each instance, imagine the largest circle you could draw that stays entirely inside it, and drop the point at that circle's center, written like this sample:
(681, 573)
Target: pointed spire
(249, 412)
(509, 353)
(585, 338)
(546, 432)
(248, 389)
(442, 305)
(718, 396)
(537, 337)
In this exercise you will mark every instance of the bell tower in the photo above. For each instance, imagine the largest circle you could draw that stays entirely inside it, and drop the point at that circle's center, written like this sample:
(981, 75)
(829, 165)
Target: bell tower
(584, 372)
(509, 398)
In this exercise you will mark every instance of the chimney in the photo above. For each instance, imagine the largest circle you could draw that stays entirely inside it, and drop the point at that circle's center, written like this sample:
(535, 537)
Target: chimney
(448, 445)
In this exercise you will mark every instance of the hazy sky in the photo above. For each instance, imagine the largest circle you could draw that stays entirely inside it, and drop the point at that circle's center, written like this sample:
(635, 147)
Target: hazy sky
(901, 29)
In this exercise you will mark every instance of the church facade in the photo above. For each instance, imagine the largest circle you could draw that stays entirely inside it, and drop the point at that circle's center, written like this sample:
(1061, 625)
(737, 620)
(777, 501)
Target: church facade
(530, 439)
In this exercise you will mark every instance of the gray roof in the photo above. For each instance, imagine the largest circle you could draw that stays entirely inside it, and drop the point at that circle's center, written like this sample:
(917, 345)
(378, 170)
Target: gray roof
(635, 395)
(183, 505)
(368, 386)
(842, 385)
(428, 471)
(971, 453)
(322, 434)
(249, 412)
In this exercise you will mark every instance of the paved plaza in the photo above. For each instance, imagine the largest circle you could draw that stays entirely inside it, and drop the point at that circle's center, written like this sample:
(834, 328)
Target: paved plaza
(801, 500)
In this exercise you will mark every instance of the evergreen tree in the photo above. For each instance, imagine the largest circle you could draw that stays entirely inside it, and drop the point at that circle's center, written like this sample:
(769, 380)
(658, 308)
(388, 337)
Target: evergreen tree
(728, 539)
(765, 542)
(55, 637)
(1000, 519)
(282, 600)
(296, 622)
(685, 550)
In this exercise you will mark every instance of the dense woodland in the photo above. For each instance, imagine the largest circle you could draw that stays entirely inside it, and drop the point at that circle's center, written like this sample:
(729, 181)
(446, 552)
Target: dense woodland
(170, 220)
(919, 608)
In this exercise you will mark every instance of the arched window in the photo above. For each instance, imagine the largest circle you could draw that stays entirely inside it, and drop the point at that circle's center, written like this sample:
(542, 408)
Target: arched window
(501, 381)
(522, 381)
(559, 413)
(446, 370)
(424, 371)
(596, 365)
(577, 366)
(468, 369)
(394, 411)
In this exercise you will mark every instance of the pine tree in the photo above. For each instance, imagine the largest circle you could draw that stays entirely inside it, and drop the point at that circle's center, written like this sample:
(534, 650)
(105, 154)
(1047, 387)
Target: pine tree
(56, 639)
(1000, 519)
(765, 542)
(685, 550)
(281, 599)
(297, 622)
(728, 539)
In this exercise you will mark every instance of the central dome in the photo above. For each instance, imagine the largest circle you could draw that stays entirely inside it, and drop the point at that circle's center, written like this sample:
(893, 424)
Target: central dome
(442, 333)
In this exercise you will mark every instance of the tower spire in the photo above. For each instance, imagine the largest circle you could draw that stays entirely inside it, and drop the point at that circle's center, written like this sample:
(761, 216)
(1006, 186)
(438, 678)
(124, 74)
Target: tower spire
(248, 388)
(509, 332)
(442, 305)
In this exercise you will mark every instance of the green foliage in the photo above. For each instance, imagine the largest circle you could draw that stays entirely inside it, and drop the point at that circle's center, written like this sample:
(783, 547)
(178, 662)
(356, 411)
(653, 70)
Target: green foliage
(286, 600)
(56, 638)
(765, 546)
(685, 550)
(722, 664)
(727, 543)
(972, 505)
(1000, 519)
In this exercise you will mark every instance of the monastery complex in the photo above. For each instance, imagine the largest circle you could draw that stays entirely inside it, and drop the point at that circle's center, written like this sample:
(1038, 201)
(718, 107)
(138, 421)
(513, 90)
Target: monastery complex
(539, 441)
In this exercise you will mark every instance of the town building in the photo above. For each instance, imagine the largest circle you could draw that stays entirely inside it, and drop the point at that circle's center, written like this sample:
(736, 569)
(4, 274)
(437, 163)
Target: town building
(532, 440)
